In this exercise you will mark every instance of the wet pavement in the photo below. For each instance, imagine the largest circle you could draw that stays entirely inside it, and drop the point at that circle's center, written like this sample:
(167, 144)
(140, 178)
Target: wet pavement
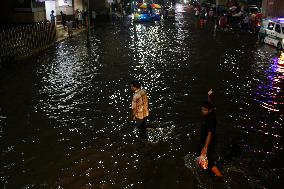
(64, 117)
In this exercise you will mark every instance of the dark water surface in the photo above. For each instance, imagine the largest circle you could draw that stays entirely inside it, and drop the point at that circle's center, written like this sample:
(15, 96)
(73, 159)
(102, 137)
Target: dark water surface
(64, 118)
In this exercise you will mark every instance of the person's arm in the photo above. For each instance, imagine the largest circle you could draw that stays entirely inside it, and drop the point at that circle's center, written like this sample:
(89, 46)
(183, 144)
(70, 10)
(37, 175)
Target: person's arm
(133, 110)
(133, 114)
(134, 107)
(145, 102)
(207, 143)
(210, 94)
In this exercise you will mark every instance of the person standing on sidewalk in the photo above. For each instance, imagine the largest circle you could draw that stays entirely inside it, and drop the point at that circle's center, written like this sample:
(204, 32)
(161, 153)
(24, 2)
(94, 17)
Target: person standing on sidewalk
(52, 17)
(140, 110)
(76, 18)
(80, 19)
(63, 18)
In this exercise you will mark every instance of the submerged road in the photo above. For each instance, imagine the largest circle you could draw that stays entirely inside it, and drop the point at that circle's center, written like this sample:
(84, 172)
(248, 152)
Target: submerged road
(64, 115)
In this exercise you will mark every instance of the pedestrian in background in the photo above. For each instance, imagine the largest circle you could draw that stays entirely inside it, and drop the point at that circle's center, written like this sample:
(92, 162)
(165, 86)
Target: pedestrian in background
(63, 19)
(80, 18)
(253, 21)
(52, 17)
(211, 13)
(140, 110)
(76, 15)
(69, 25)
(94, 15)
(246, 22)
(223, 22)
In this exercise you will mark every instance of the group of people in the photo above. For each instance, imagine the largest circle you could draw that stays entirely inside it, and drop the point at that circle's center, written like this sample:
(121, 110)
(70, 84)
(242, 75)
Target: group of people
(231, 16)
(206, 147)
(251, 22)
(69, 24)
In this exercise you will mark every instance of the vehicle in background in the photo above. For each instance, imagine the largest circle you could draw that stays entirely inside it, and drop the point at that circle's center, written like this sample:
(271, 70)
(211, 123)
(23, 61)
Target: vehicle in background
(272, 32)
(253, 9)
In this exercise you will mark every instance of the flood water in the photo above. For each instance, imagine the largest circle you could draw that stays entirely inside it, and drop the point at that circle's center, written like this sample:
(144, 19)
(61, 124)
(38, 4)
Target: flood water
(65, 114)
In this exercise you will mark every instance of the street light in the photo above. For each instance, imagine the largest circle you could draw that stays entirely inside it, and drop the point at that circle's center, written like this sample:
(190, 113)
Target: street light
(131, 7)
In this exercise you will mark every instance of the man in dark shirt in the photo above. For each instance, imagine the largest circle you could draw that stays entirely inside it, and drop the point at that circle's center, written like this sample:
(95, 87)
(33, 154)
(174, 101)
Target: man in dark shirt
(208, 134)
(63, 18)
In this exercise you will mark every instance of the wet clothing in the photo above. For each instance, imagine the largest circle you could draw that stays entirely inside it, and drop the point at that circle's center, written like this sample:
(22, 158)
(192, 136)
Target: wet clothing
(140, 124)
(208, 125)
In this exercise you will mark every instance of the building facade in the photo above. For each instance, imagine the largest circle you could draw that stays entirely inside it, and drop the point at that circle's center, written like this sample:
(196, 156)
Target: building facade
(273, 8)
(30, 11)
(221, 2)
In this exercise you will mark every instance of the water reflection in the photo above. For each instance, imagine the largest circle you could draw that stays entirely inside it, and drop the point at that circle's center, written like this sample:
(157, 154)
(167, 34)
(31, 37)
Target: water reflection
(269, 92)
(64, 82)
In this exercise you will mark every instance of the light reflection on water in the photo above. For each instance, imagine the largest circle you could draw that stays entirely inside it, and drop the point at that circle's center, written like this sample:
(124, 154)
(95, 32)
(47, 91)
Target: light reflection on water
(74, 130)
(269, 93)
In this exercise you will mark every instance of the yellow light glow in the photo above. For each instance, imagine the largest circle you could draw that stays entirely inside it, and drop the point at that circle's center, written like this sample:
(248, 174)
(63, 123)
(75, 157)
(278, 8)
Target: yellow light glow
(281, 58)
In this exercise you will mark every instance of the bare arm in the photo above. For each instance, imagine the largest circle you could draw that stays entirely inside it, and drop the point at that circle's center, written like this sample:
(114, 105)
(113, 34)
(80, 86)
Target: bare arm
(207, 143)
(210, 94)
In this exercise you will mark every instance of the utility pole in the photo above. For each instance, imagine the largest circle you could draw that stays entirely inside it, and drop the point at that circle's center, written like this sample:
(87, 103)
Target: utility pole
(89, 25)
(131, 7)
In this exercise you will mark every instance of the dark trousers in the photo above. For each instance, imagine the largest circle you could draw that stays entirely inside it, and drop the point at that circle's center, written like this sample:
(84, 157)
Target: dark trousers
(141, 127)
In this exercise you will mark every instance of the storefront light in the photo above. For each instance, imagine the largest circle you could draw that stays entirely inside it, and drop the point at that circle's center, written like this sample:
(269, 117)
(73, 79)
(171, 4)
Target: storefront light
(65, 3)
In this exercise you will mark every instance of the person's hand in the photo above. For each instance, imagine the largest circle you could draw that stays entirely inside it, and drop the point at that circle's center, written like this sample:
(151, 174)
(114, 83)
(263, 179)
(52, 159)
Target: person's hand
(210, 92)
(202, 162)
(204, 152)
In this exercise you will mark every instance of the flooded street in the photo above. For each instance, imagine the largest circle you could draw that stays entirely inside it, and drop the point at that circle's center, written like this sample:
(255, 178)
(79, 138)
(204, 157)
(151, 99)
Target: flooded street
(65, 114)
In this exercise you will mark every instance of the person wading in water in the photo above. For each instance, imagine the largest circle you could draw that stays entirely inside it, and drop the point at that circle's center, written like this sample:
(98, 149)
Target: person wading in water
(140, 110)
(206, 147)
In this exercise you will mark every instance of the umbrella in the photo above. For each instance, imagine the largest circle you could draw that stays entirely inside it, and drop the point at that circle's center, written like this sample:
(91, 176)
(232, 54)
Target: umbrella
(143, 6)
(155, 6)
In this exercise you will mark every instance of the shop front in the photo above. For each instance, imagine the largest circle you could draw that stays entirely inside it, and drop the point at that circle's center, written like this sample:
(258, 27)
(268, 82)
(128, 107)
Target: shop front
(67, 7)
